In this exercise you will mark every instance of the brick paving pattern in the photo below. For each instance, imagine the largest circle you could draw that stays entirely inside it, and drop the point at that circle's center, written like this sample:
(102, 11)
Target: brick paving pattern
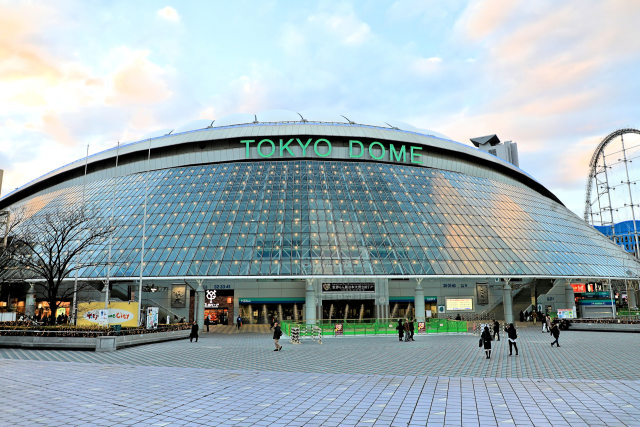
(236, 379)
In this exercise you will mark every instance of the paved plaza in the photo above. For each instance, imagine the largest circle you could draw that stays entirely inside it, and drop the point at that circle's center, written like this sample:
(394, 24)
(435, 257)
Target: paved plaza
(236, 379)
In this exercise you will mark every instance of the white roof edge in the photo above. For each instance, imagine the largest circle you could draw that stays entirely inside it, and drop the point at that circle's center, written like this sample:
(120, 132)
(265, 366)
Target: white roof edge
(324, 128)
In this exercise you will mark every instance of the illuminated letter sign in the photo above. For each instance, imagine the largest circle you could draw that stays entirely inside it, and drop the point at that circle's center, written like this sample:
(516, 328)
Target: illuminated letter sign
(322, 147)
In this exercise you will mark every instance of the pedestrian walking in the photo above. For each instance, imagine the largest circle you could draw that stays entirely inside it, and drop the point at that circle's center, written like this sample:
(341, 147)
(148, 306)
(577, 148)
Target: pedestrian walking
(277, 333)
(513, 336)
(407, 332)
(194, 332)
(411, 330)
(207, 322)
(545, 324)
(555, 332)
(496, 330)
(400, 329)
(238, 322)
(485, 338)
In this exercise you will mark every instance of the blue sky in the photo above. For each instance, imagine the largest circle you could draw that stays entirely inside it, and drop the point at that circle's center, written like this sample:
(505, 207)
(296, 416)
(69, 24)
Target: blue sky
(555, 77)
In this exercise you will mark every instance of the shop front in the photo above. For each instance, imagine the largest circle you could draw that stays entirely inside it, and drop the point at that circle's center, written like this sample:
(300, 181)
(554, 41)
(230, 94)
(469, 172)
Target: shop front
(403, 307)
(218, 306)
(262, 310)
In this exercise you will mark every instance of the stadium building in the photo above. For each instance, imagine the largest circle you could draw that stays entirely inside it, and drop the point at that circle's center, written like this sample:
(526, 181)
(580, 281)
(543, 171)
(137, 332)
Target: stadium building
(305, 219)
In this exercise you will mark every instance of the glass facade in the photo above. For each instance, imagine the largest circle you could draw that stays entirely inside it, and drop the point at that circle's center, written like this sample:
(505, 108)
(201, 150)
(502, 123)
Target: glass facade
(334, 218)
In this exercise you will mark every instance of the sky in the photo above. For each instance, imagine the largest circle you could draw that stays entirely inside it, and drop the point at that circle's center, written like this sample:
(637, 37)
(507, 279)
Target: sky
(554, 77)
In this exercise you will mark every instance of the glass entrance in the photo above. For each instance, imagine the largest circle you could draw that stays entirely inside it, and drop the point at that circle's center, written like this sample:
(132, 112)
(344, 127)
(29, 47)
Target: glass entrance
(348, 309)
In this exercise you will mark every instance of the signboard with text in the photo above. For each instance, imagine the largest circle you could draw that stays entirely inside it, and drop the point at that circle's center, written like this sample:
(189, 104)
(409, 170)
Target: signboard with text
(459, 304)
(579, 287)
(348, 287)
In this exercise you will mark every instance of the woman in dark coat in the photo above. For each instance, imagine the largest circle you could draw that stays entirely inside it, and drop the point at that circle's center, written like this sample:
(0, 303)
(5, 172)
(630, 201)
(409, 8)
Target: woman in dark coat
(194, 332)
(486, 340)
(400, 329)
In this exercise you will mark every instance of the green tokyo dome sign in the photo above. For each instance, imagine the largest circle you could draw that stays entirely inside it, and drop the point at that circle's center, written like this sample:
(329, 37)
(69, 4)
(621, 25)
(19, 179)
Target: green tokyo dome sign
(321, 147)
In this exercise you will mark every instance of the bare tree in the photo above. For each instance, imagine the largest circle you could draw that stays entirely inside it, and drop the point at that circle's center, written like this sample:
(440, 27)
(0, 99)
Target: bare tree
(50, 248)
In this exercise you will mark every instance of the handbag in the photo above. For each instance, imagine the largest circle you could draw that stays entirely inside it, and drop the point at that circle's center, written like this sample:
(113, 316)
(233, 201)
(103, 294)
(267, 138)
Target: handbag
(480, 343)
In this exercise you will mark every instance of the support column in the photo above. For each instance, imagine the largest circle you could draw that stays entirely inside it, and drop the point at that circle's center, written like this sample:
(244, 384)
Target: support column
(30, 301)
(633, 302)
(534, 297)
(507, 299)
(198, 311)
(310, 303)
(382, 299)
(236, 308)
(419, 301)
(569, 297)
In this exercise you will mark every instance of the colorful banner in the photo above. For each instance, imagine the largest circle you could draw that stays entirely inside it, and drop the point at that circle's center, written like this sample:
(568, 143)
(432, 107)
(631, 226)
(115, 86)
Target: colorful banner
(119, 313)
(422, 328)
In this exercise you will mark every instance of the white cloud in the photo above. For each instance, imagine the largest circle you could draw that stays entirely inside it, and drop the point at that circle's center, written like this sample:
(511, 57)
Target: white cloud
(168, 13)
(348, 28)
(426, 65)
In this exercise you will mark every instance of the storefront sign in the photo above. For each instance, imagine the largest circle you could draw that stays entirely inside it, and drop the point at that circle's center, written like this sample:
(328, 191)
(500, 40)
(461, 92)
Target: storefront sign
(459, 304)
(119, 313)
(348, 287)
(579, 287)
(594, 302)
(337, 329)
(210, 299)
(322, 147)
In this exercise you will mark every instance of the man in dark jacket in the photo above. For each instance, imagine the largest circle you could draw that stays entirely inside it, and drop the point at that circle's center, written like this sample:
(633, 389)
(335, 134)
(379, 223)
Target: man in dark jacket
(194, 332)
(496, 330)
(513, 335)
(411, 330)
(277, 333)
(555, 332)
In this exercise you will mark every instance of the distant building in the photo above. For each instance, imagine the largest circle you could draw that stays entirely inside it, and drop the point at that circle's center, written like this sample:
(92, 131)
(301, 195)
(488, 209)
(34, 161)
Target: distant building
(507, 151)
(622, 233)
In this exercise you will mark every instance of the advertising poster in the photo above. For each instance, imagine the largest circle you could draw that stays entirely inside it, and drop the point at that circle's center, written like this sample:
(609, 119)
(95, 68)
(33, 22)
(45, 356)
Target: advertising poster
(152, 318)
(337, 330)
(178, 296)
(119, 313)
(566, 313)
(422, 328)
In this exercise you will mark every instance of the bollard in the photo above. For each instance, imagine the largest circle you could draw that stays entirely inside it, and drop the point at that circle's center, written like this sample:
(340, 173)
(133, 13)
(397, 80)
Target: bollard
(295, 335)
(317, 334)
